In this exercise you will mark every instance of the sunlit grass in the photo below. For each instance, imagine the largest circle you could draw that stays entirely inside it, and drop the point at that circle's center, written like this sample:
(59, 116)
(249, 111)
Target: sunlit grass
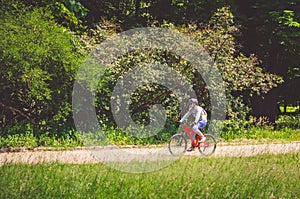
(265, 176)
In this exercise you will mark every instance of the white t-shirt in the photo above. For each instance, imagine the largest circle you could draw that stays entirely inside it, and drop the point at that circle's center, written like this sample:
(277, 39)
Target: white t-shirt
(198, 112)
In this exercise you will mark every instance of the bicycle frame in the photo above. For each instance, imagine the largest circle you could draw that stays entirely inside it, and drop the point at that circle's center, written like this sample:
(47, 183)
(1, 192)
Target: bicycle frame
(178, 142)
(188, 131)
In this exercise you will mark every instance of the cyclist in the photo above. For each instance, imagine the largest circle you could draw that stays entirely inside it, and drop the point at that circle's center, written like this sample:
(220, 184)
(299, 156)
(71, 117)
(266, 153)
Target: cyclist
(200, 118)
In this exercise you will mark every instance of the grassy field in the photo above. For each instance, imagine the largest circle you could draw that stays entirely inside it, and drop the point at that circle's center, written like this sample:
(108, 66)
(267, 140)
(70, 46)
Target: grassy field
(265, 176)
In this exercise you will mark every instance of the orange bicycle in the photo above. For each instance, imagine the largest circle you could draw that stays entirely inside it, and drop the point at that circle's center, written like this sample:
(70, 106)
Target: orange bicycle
(178, 142)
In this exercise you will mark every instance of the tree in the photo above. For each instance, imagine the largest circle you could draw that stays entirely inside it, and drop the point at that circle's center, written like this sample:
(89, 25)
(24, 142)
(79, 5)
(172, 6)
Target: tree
(268, 30)
(69, 13)
(272, 31)
(242, 74)
(39, 60)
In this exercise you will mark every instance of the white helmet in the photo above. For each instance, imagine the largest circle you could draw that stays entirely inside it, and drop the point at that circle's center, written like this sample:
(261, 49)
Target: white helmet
(193, 101)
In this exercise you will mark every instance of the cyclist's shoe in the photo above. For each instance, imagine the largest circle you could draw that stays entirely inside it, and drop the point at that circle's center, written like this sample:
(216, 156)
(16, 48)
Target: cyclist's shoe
(190, 149)
(203, 139)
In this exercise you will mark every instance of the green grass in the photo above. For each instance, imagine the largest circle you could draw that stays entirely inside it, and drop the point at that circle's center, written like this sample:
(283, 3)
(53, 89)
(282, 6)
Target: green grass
(265, 176)
(263, 135)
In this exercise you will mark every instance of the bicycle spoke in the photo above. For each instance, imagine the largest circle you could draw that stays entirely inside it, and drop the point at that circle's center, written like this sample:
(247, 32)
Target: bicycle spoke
(177, 144)
(208, 146)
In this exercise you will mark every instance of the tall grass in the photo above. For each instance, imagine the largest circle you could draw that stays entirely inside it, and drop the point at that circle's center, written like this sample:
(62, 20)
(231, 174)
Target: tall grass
(265, 176)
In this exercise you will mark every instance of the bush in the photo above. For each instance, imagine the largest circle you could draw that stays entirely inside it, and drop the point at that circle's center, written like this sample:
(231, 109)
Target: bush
(285, 121)
(66, 139)
(28, 139)
(259, 128)
(19, 140)
(39, 60)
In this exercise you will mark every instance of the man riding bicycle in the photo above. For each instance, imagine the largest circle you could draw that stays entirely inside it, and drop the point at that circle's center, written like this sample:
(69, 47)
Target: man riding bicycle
(200, 118)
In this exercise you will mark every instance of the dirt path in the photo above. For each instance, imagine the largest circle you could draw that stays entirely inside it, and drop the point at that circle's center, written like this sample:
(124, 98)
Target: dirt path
(108, 154)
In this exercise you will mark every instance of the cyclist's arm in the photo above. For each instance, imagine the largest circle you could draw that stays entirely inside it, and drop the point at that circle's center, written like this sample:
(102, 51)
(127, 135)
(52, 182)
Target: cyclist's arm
(185, 116)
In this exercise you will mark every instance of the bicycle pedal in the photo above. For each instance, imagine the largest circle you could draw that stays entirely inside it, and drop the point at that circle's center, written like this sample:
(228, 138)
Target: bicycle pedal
(190, 149)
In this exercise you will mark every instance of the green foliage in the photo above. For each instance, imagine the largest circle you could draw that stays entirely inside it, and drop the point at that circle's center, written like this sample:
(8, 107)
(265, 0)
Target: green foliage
(19, 140)
(241, 74)
(286, 27)
(259, 135)
(286, 122)
(98, 33)
(140, 137)
(20, 135)
(39, 60)
(233, 129)
(67, 139)
(130, 14)
(259, 129)
(116, 11)
(254, 130)
(264, 176)
(272, 31)
(68, 13)
(289, 109)
(29, 140)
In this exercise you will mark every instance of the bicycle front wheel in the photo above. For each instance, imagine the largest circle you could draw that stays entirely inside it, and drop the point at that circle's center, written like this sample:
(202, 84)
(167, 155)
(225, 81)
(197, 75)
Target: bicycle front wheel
(208, 147)
(177, 144)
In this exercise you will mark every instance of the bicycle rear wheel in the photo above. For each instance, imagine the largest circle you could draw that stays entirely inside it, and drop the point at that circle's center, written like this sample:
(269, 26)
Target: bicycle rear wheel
(177, 144)
(208, 147)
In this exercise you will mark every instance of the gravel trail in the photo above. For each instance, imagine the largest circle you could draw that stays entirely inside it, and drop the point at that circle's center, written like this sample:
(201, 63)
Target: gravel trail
(127, 154)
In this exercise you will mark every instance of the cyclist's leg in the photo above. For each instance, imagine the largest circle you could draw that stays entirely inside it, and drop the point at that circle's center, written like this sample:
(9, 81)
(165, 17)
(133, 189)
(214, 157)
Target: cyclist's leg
(197, 131)
(201, 124)
(193, 137)
(197, 128)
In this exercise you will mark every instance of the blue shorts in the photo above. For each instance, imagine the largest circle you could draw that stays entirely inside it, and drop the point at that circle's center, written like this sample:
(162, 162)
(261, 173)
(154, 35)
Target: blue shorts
(201, 124)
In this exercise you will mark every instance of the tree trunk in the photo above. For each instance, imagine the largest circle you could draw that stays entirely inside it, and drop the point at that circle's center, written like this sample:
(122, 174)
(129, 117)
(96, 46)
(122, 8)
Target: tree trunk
(137, 8)
(266, 105)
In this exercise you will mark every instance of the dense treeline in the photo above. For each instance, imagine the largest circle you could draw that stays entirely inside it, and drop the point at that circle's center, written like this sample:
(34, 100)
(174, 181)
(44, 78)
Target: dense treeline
(254, 45)
(269, 30)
